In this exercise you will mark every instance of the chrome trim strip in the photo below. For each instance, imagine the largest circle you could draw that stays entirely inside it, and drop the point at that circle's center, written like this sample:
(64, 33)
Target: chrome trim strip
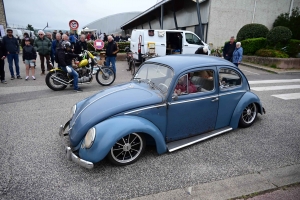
(97, 100)
(227, 93)
(145, 108)
(199, 140)
(191, 100)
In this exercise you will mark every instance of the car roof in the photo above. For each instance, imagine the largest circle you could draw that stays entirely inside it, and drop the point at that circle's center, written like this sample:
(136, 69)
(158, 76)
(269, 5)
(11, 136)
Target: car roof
(184, 62)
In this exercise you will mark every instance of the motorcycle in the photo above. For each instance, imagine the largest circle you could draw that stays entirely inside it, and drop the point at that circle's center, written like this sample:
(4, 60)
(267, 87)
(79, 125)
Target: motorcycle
(58, 79)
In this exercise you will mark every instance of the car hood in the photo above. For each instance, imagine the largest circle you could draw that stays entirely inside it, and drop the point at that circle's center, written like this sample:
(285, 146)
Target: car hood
(107, 103)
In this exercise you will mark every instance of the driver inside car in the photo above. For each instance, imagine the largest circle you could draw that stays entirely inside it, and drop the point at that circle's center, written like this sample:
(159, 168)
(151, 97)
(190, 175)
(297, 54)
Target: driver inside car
(181, 87)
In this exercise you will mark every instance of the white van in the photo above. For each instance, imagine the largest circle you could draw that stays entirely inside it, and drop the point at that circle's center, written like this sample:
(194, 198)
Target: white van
(163, 42)
(16, 33)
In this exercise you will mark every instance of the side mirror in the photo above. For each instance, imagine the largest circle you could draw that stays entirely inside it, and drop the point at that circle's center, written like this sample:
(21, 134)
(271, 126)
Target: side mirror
(174, 97)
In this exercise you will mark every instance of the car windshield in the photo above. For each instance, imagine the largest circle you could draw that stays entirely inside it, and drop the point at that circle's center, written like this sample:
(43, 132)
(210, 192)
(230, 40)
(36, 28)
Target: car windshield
(158, 76)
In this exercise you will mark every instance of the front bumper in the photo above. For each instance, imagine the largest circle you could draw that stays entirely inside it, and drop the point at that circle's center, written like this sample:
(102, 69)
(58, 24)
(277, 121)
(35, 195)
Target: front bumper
(68, 150)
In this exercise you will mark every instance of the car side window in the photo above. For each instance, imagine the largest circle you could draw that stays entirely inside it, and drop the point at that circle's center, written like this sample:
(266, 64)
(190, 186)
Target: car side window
(192, 39)
(229, 78)
(194, 82)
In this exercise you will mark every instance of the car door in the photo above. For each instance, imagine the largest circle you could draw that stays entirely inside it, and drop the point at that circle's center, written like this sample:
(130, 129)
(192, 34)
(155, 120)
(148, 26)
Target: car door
(231, 91)
(191, 43)
(194, 112)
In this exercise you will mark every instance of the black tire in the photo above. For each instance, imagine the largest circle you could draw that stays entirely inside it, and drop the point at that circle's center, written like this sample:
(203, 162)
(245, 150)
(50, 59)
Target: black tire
(132, 67)
(105, 79)
(55, 85)
(127, 150)
(248, 116)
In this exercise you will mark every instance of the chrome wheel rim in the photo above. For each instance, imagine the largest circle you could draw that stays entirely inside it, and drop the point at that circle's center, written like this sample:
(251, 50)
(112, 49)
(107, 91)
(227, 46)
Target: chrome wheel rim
(127, 148)
(106, 76)
(55, 83)
(249, 113)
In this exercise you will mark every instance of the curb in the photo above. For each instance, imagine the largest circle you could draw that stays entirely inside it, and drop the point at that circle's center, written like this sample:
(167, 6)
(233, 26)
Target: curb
(234, 187)
(270, 70)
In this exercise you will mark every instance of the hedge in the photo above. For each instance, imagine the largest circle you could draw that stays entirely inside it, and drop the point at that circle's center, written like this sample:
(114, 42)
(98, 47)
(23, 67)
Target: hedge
(271, 53)
(121, 45)
(252, 31)
(293, 48)
(279, 35)
(250, 46)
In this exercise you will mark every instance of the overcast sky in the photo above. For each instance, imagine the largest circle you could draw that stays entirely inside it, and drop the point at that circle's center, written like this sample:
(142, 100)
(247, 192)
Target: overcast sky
(58, 13)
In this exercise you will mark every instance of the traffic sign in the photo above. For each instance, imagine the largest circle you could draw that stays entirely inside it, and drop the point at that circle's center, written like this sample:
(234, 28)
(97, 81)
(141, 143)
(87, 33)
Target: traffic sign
(98, 44)
(73, 25)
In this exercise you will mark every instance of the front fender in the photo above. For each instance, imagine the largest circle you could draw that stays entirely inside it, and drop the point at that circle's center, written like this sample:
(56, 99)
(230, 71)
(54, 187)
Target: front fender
(110, 131)
(247, 98)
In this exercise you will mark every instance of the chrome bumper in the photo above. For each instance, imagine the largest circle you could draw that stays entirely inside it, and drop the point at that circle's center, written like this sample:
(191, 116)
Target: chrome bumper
(69, 154)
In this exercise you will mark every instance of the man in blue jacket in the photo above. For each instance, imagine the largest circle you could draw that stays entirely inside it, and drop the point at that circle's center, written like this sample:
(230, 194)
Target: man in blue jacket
(12, 47)
(55, 45)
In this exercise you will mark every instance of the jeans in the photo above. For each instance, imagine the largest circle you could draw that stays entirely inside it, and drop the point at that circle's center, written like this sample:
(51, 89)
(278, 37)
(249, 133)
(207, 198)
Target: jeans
(75, 76)
(2, 72)
(10, 58)
(111, 60)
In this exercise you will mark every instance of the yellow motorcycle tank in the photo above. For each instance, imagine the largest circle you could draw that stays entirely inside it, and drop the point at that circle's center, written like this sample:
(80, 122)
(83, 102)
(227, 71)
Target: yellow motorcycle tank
(83, 63)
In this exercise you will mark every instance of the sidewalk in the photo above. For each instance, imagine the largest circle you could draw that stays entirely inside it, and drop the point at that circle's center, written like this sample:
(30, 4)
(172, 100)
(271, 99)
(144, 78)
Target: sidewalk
(236, 187)
(269, 69)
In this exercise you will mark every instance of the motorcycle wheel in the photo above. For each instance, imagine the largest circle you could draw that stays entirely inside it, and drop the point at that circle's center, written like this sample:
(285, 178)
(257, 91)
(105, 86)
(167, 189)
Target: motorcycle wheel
(53, 84)
(106, 76)
(132, 67)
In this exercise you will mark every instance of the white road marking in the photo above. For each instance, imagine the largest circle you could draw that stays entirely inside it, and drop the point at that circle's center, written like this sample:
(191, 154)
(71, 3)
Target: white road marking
(288, 96)
(249, 71)
(283, 87)
(274, 81)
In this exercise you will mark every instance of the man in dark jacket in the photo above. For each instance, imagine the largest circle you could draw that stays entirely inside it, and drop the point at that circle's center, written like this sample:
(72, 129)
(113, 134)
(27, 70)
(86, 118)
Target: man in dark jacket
(54, 34)
(43, 46)
(65, 56)
(81, 45)
(55, 46)
(3, 53)
(12, 47)
(228, 49)
(111, 52)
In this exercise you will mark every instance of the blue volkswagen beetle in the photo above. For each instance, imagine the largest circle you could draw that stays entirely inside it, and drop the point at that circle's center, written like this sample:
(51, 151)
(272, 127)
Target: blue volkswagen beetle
(172, 102)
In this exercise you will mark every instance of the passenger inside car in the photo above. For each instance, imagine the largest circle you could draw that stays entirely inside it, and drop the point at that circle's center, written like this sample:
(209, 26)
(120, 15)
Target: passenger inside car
(183, 84)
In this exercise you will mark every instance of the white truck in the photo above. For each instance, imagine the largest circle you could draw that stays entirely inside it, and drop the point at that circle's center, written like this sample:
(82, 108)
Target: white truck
(163, 42)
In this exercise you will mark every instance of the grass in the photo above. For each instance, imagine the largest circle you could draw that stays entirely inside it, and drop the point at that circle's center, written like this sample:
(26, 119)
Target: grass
(273, 66)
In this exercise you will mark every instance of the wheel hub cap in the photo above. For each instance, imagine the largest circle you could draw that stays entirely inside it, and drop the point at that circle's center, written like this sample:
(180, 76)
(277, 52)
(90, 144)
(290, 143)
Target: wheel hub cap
(127, 147)
(248, 112)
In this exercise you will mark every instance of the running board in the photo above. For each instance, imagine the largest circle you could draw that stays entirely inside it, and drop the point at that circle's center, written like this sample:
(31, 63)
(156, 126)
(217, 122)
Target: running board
(173, 146)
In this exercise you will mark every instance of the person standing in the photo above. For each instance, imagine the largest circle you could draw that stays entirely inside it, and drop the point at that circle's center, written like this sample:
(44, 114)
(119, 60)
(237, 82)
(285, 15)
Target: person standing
(12, 47)
(54, 34)
(92, 37)
(88, 37)
(72, 40)
(237, 54)
(117, 38)
(104, 37)
(54, 46)
(111, 52)
(81, 45)
(3, 54)
(229, 48)
(23, 40)
(29, 58)
(43, 46)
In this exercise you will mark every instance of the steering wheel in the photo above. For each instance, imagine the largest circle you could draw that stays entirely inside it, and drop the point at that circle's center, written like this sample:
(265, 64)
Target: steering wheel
(164, 85)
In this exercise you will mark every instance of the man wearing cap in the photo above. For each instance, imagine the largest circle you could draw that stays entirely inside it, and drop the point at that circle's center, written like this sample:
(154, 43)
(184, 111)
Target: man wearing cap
(43, 46)
(12, 47)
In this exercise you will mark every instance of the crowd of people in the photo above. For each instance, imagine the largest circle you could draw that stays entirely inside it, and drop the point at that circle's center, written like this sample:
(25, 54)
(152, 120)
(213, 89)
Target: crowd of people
(64, 46)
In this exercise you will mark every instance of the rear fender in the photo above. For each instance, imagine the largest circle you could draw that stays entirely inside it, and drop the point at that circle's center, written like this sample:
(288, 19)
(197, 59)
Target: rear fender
(110, 131)
(247, 98)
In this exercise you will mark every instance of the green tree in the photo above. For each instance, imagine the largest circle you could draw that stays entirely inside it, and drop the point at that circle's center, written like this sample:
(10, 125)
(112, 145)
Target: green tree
(292, 22)
(30, 27)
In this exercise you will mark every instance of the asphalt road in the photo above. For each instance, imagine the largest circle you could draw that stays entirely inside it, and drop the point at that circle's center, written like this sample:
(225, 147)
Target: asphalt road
(33, 164)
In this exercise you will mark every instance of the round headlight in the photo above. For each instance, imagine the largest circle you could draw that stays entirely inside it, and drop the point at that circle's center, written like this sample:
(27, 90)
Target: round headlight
(89, 138)
(72, 111)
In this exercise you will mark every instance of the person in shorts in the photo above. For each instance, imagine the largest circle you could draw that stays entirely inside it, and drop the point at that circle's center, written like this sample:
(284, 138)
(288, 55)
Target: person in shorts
(29, 57)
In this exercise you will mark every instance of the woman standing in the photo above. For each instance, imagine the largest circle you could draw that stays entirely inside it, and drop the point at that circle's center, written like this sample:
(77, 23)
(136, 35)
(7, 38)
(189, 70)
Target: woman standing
(237, 54)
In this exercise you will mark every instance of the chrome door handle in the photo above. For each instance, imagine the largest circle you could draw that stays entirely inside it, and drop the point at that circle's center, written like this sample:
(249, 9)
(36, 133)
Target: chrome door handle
(216, 99)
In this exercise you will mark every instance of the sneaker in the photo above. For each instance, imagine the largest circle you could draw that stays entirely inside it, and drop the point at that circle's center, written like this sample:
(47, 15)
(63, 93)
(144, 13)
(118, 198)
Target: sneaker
(78, 90)
(12, 78)
(4, 81)
(19, 77)
(26, 79)
(33, 77)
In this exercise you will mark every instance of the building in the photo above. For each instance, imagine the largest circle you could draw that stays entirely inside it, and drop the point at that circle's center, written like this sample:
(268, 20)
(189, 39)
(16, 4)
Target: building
(111, 24)
(3, 22)
(214, 21)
